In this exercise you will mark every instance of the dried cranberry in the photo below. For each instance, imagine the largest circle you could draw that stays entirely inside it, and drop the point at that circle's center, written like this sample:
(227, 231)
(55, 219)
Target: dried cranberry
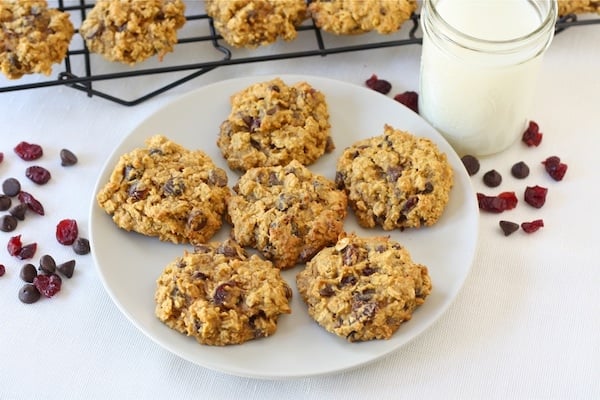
(379, 85)
(37, 174)
(27, 251)
(14, 245)
(532, 226)
(29, 151)
(409, 99)
(2, 269)
(32, 203)
(497, 204)
(66, 231)
(532, 135)
(1, 157)
(535, 196)
(555, 168)
(48, 285)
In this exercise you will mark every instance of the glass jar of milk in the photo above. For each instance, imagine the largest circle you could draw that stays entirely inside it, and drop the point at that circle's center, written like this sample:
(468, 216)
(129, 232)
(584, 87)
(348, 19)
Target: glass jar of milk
(479, 66)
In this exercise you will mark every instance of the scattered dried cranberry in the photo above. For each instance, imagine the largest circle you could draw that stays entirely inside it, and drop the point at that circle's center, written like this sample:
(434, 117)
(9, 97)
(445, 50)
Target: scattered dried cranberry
(532, 226)
(535, 196)
(14, 245)
(532, 135)
(2, 269)
(555, 168)
(37, 174)
(379, 85)
(66, 231)
(409, 99)
(497, 204)
(48, 285)
(33, 204)
(27, 251)
(29, 151)
(520, 170)
(492, 178)
(471, 163)
(1, 156)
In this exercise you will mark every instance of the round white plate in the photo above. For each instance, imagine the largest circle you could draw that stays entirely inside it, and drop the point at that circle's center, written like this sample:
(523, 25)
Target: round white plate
(129, 263)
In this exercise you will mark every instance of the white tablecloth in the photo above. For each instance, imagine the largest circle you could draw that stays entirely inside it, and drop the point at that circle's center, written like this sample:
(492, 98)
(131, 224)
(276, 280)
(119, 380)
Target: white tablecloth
(525, 325)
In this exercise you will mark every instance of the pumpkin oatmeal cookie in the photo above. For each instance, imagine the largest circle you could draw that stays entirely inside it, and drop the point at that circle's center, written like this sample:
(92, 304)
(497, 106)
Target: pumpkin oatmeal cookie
(578, 7)
(221, 296)
(348, 17)
(167, 191)
(271, 124)
(395, 180)
(287, 213)
(133, 31)
(33, 37)
(363, 288)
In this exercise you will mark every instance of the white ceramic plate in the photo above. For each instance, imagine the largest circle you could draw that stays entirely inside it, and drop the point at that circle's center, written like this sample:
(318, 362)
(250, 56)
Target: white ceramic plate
(129, 263)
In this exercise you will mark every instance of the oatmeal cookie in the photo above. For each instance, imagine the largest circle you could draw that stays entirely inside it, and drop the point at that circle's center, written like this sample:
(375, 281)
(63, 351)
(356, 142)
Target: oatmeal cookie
(167, 191)
(578, 7)
(271, 124)
(287, 213)
(395, 180)
(348, 17)
(133, 31)
(253, 23)
(221, 296)
(363, 288)
(33, 37)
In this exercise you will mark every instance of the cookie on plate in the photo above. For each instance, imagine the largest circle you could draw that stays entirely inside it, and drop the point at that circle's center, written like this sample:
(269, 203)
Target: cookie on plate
(253, 23)
(33, 37)
(133, 31)
(271, 123)
(363, 288)
(287, 213)
(395, 180)
(578, 7)
(167, 191)
(221, 296)
(348, 17)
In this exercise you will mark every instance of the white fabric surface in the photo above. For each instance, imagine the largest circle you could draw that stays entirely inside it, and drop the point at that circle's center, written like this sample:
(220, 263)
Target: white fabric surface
(525, 325)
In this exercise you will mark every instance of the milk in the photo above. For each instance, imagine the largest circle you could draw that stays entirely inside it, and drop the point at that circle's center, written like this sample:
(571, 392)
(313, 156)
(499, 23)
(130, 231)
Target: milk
(480, 100)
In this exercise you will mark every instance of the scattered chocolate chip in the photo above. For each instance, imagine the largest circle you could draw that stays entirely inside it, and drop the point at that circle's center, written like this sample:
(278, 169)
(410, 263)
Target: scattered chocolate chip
(29, 294)
(11, 187)
(492, 178)
(47, 264)
(66, 268)
(67, 158)
(508, 227)
(520, 170)
(471, 163)
(8, 223)
(5, 202)
(19, 211)
(28, 272)
(81, 246)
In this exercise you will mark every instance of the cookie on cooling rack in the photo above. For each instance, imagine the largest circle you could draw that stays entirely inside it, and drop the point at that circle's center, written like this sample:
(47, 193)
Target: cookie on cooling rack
(286, 212)
(253, 23)
(221, 296)
(395, 180)
(33, 37)
(347, 17)
(363, 288)
(271, 123)
(167, 191)
(578, 7)
(133, 31)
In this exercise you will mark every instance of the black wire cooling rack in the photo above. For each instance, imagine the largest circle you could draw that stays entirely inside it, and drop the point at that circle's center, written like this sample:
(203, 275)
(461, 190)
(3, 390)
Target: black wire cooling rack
(81, 68)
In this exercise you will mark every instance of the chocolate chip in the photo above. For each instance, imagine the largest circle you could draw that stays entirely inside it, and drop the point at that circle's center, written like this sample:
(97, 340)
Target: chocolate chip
(11, 187)
(217, 177)
(81, 246)
(508, 227)
(492, 178)
(66, 268)
(5, 202)
(28, 272)
(47, 264)
(19, 211)
(8, 223)
(67, 158)
(471, 164)
(520, 170)
(29, 294)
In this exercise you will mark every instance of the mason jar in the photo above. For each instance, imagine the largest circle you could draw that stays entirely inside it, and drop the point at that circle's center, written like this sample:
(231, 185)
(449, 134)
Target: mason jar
(479, 67)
